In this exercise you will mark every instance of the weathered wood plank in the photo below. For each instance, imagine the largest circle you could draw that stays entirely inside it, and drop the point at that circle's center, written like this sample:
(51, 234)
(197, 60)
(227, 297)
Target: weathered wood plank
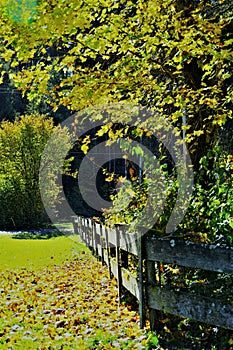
(98, 229)
(129, 242)
(106, 260)
(202, 256)
(130, 282)
(114, 267)
(192, 306)
(99, 250)
(112, 237)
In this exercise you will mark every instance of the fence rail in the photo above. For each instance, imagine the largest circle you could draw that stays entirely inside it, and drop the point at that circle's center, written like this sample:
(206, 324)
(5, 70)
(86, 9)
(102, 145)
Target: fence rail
(113, 248)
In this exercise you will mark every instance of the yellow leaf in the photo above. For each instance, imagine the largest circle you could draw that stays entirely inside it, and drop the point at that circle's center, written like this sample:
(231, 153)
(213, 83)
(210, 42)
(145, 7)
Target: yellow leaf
(177, 59)
(198, 132)
(14, 64)
(84, 148)
(109, 178)
(83, 59)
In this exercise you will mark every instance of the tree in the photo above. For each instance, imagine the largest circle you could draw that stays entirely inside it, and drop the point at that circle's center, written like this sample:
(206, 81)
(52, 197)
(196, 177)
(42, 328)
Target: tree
(175, 57)
(21, 145)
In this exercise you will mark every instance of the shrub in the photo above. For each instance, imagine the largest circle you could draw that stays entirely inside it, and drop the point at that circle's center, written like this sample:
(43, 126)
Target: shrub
(210, 214)
(21, 145)
(209, 218)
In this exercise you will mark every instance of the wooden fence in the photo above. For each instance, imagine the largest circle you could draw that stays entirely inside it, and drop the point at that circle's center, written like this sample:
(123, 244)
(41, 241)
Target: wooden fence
(114, 247)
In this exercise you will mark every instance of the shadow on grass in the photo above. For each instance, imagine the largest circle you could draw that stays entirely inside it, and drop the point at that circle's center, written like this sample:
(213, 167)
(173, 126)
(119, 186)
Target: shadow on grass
(51, 231)
(39, 234)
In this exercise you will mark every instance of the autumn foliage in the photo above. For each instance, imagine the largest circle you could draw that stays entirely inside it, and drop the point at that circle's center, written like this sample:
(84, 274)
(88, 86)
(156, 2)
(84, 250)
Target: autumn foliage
(175, 57)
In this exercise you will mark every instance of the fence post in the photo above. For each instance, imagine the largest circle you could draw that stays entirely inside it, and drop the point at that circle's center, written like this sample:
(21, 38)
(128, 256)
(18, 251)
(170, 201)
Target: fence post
(87, 233)
(90, 242)
(77, 225)
(119, 277)
(95, 239)
(142, 304)
(102, 243)
(151, 280)
(82, 229)
(108, 252)
(124, 254)
(74, 221)
(92, 238)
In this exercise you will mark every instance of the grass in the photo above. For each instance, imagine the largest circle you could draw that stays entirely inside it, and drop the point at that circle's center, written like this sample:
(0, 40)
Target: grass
(33, 254)
(55, 295)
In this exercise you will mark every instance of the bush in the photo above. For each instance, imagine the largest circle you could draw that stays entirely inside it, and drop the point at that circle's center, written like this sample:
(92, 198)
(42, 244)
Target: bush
(210, 214)
(209, 218)
(21, 146)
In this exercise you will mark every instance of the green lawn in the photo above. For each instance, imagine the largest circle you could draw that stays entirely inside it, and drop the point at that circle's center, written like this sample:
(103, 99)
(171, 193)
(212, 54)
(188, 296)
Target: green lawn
(33, 254)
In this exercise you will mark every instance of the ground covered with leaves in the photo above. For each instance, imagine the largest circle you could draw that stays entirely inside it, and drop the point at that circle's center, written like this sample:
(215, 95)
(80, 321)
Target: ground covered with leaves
(55, 295)
(72, 305)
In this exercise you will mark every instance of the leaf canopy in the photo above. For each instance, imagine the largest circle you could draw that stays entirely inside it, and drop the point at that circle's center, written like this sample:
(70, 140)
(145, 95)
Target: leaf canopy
(173, 57)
